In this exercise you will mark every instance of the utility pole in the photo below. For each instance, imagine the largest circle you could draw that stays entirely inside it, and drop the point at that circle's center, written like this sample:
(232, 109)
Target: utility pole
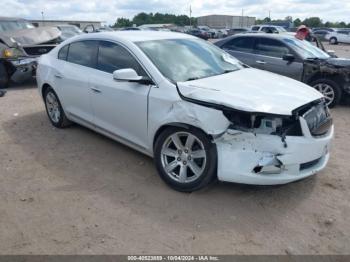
(242, 18)
(270, 15)
(190, 17)
(42, 17)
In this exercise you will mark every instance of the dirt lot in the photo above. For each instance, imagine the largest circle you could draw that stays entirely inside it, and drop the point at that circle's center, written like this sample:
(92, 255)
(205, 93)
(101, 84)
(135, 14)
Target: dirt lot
(73, 191)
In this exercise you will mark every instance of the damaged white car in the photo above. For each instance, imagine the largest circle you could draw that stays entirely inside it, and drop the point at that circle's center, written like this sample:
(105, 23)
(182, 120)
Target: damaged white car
(198, 111)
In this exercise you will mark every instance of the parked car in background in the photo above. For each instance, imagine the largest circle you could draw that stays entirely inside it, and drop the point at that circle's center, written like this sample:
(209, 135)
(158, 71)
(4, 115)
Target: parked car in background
(338, 36)
(321, 34)
(272, 29)
(286, 55)
(197, 110)
(239, 30)
(323, 28)
(222, 33)
(68, 31)
(209, 31)
(130, 29)
(199, 33)
(20, 44)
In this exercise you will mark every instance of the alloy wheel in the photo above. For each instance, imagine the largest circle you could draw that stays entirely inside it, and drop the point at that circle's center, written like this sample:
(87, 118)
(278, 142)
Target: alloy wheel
(327, 91)
(183, 157)
(53, 107)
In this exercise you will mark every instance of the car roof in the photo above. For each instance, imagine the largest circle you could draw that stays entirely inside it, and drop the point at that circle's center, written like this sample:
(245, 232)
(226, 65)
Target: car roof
(4, 18)
(265, 35)
(135, 36)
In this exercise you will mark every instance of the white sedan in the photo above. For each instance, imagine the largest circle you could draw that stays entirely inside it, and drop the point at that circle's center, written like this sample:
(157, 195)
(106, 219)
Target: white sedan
(200, 113)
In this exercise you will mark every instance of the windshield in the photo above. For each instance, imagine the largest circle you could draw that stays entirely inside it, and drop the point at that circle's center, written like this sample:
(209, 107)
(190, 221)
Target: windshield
(70, 30)
(305, 48)
(281, 29)
(188, 59)
(14, 25)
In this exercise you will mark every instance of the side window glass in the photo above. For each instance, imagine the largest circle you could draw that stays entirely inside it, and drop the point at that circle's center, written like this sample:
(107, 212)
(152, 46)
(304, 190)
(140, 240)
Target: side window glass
(113, 57)
(241, 44)
(82, 53)
(255, 28)
(62, 54)
(271, 47)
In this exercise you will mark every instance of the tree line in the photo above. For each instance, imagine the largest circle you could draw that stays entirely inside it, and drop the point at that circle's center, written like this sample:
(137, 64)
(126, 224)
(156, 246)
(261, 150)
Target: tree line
(183, 20)
(157, 18)
(310, 22)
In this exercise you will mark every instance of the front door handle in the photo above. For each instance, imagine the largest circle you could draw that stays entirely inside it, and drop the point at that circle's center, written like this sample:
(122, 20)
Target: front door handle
(260, 62)
(58, 76)
(96, 90)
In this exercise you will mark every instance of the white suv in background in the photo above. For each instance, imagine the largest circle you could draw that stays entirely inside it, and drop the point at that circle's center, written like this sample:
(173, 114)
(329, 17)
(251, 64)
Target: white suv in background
(273, 29)
(338, 36)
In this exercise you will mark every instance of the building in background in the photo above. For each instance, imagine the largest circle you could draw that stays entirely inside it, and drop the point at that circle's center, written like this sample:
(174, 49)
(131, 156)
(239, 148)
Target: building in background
(80, 24)
(225, 21)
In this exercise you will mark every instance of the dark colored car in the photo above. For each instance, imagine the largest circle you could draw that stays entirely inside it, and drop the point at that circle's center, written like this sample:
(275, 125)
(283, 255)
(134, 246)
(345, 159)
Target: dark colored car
(321, 34)
(234, 31)
(199, 33)
(286, 55)
(20, 44)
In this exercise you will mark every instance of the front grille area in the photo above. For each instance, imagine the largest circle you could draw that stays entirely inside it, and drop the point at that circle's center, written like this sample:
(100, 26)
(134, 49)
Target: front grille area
(318, 119)
(310, 164)
(38, 50)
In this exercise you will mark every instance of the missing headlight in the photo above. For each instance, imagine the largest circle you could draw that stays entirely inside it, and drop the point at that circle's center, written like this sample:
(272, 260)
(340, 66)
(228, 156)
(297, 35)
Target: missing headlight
(264, 124)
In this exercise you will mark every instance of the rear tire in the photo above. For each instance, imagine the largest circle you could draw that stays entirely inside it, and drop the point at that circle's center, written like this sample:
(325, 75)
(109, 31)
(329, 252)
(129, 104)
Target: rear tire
(333, 41)
(186, 159)
(54, 109)
(330, 89)
(4, 76)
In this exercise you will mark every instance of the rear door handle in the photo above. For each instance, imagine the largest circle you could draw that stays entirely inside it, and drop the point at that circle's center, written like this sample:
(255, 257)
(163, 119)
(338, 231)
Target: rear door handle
(96, 90)
(260, 62)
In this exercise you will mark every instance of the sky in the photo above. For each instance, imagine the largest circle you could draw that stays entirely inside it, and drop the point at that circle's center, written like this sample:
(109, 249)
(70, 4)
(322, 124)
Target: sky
(110, 10)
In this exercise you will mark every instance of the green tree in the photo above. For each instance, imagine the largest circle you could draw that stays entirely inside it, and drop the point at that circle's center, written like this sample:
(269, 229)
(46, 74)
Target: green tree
(313, 22)
(297, 22)
(122, 22)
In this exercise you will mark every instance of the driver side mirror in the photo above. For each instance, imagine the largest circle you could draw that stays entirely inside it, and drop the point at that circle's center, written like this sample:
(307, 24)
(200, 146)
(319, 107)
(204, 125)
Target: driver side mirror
(130, 75)
(288, 57)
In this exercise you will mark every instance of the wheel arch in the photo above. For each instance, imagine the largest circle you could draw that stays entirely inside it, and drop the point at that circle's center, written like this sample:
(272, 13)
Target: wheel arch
(44, 87)
(177, 124)
(339, 79)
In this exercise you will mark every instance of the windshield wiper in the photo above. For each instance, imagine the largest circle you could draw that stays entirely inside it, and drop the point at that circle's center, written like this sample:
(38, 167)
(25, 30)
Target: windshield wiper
(192, 78)
(229, 71)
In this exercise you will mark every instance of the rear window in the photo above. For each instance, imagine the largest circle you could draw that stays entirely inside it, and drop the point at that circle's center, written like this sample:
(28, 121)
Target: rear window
(62, 54)
(241, 44)
(82, 53)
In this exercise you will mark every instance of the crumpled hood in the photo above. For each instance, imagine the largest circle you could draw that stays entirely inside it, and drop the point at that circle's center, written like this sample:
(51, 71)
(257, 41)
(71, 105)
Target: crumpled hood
(339, 62)
(32, 36)
(251, 90)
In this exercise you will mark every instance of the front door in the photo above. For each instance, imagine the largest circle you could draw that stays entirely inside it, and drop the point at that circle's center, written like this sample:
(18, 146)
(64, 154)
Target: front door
(269, 56)
(120, 107)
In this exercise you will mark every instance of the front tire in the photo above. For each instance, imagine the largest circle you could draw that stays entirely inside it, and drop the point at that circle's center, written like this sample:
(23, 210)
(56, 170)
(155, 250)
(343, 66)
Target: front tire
(186, 159)
(4, 76)
(330, 90)
(54, 109)
(333, 41)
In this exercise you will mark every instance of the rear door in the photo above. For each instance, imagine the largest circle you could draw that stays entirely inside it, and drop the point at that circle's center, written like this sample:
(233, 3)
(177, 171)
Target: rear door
(73, 78)
(241, 48)
(269, 56)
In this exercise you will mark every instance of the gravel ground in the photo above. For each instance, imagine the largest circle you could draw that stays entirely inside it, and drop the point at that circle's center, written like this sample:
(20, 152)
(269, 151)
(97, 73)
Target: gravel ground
(73, 191)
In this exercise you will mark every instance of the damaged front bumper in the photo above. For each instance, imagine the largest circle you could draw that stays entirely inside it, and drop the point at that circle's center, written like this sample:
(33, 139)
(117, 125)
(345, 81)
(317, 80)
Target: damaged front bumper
(25, 68)
(260, 159)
